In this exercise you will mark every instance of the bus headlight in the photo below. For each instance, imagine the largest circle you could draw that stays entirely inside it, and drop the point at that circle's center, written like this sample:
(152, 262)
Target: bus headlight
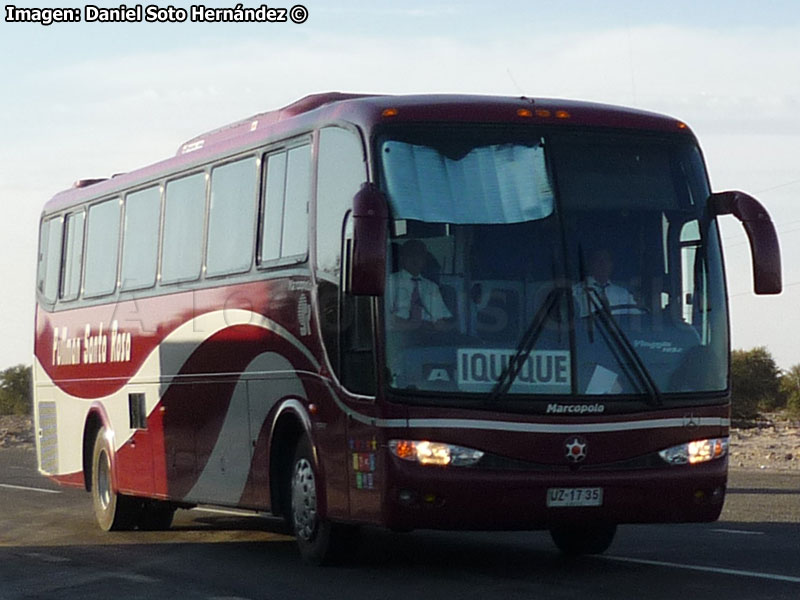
(699, 451)
(434, 453)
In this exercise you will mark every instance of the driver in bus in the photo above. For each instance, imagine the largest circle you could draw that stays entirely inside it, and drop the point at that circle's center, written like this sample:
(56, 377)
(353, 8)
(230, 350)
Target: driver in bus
(413, 299)
(616, 298)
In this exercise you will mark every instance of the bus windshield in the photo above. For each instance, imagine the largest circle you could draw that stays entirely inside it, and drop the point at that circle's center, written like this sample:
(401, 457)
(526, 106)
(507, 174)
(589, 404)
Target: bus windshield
(540, 262)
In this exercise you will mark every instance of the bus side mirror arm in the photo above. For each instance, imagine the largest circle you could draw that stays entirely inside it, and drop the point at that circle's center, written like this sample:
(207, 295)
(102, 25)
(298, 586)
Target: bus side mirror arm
(764, 247)
(366, 264)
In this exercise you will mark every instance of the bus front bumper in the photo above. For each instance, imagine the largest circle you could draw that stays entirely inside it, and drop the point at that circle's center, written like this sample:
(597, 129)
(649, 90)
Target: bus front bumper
(428, 497)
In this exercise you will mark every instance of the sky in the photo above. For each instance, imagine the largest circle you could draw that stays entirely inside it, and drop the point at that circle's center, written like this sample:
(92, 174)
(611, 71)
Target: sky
(82, 100)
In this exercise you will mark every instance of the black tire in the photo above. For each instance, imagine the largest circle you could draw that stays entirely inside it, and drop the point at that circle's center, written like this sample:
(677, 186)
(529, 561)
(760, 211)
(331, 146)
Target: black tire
(156, 515)
(319, 540)
(574, 540)
(113, 511)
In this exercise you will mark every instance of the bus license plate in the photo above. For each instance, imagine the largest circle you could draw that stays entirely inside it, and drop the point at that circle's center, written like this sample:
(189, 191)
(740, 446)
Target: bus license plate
(558, 497)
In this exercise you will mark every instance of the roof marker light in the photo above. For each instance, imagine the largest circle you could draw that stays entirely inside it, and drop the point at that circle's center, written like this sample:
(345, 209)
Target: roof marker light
(524, 112)
(562, 114)
(543, 112)
(389, 112)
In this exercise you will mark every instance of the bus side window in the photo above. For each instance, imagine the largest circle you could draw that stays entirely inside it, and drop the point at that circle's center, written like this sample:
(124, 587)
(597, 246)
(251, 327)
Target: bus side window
(284, 216)
(49, 258)
(358, 357)
(184, 215)
(272, 217)
(73, 257)
(346, 321)
(231, 217)
(140, 239)
(102, 248)
(294, 241)
(689, 242)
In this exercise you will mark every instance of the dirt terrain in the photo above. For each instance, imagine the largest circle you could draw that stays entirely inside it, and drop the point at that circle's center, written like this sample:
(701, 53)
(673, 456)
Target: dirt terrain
(773, 444)
(15, 431)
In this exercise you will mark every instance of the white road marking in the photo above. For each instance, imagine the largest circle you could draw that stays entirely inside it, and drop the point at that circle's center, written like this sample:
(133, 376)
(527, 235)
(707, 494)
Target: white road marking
(718, 570)
(136, 578)
(738, 531)
(47, 557)
(28, 489)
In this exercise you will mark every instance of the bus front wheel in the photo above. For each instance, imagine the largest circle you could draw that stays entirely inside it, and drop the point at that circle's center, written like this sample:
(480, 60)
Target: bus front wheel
(113, 511)
(574, 540)
(319, 540)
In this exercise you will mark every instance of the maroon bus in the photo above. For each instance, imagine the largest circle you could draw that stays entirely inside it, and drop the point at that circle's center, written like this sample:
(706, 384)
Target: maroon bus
(452, 312)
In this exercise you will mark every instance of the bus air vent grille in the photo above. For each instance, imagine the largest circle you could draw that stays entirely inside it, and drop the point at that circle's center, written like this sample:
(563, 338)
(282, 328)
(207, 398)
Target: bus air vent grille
(48, 438)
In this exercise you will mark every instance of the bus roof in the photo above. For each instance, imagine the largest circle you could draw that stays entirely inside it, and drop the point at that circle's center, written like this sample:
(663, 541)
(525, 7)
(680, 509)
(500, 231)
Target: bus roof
(365, 110)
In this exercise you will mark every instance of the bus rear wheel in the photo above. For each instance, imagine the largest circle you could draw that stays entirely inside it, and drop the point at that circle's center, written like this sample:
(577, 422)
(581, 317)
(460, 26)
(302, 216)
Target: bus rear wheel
(319, 540)
(574, 540)
(113, 511)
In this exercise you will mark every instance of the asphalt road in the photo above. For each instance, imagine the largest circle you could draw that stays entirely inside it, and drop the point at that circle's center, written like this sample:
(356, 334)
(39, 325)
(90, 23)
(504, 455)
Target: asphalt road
(51, 548)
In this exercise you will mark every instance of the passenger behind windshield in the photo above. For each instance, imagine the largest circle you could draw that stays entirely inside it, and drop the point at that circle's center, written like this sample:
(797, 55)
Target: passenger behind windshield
(414, 300)
(615, 298)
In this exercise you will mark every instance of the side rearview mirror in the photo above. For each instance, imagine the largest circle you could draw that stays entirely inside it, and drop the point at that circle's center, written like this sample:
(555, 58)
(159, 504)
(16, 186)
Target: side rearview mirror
(764, 248)
(366, 249)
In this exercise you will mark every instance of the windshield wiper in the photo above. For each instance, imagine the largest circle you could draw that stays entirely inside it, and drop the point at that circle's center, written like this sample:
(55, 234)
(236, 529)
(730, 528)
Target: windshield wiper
(525, 346)
(624, 343)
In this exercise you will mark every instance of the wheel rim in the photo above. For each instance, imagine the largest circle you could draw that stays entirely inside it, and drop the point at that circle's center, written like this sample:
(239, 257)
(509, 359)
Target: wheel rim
(304, 500)
(103, 481)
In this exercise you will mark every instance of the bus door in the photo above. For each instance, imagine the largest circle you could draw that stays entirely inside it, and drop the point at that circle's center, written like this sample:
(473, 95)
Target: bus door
(358, 376)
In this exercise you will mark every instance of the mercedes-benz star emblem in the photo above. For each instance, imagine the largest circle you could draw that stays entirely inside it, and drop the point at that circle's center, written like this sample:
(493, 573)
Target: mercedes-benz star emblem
(576, 449)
